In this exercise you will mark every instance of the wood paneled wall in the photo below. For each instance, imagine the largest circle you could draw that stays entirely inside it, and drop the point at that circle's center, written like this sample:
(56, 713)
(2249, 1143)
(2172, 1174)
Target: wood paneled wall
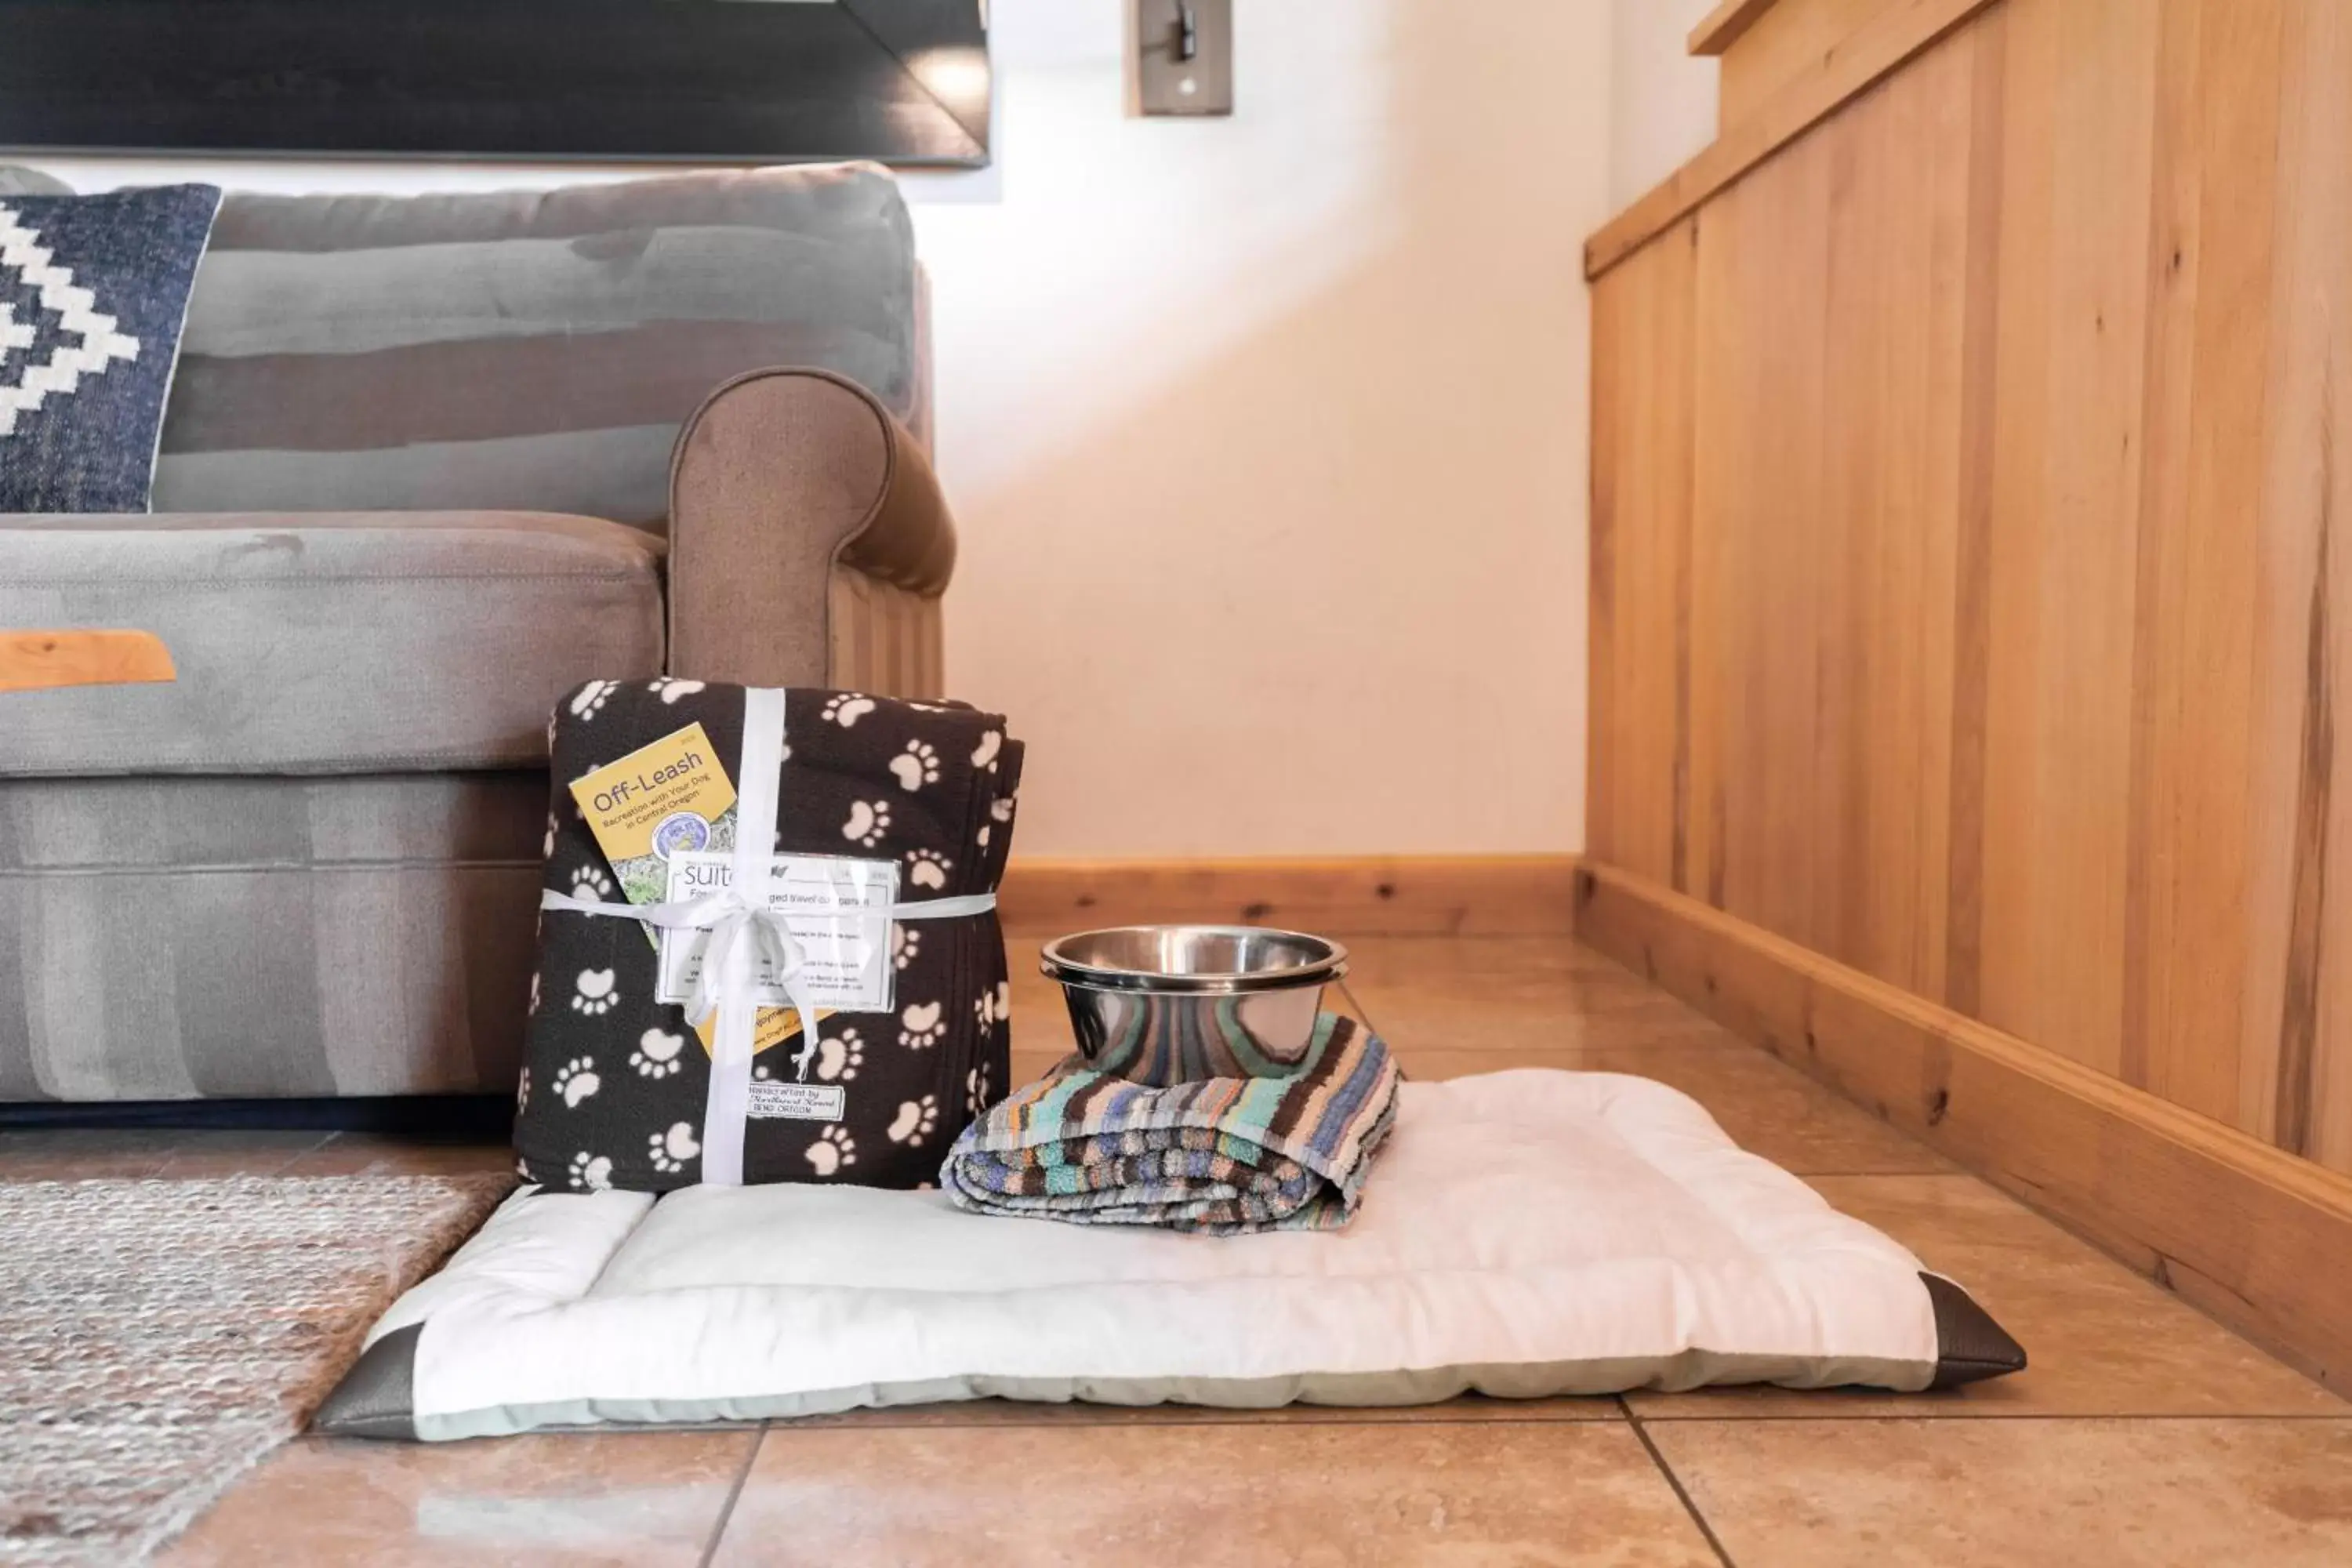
(1972, 590)
(1782, 39)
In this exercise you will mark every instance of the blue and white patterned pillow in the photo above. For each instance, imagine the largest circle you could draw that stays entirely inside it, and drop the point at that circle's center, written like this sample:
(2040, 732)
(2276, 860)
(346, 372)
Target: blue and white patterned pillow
(93, 293)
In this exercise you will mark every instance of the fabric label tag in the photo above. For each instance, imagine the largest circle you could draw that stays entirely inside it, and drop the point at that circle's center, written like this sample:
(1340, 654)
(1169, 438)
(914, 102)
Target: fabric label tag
(836, 907)
(775, 1102)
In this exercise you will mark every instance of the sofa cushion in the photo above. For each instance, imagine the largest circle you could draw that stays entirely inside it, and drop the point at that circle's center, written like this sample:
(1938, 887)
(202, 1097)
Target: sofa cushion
(93, 291)
(244, 938)
(520, 349)
(327, 644)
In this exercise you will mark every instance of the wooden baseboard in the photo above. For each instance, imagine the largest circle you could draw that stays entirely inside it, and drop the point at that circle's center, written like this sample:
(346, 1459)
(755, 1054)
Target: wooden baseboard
(1372, 894)
(2255, 1237)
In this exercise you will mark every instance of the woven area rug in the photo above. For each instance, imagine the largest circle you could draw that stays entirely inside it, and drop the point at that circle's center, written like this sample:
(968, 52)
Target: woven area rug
(159, 1337)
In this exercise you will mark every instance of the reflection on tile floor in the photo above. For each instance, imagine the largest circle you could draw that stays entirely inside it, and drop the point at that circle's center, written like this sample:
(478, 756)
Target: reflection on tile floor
(1994, 1494)
(2142, 1433)
(1566, 1492)
(649, 1498)
(2101, 1340)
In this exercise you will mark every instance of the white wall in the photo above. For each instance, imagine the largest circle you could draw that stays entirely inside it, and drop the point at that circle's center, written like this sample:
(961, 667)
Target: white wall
(1269, 434)
(1663, 106)
(1266, 436)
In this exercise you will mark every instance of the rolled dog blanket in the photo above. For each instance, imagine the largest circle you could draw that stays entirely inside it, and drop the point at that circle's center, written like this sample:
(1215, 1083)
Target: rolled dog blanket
(1215, 1155)
(617, 1081)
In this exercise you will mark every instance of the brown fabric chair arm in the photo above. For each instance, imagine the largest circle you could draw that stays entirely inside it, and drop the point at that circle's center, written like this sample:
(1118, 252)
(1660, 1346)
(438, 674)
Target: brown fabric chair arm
(779, 479)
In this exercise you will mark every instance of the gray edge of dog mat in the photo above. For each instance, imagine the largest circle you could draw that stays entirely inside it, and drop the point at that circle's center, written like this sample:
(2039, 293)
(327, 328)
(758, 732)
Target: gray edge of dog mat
(376, 1399)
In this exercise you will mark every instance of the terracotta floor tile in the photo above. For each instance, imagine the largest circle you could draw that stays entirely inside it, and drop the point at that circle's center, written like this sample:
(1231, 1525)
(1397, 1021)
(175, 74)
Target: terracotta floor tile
(1458, 996)
(1499, 969)
(1037, 1008)
(1766, 1107)
(1423, 1023)
(2099, 1340)
(1494, 955)
(1859, 1480)
(647, 1498)
(1480, 994)
(2017, 1494)
(1553, 1493)
(1469, 1410)
(68, 1154)
(1419, 1023)
(1515, 992)
(1029, 1066)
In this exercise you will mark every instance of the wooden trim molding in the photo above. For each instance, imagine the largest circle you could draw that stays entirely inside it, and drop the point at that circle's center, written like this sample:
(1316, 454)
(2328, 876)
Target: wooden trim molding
(1844, 70)
(2255, 1237)
(1371, 894)
(1723, 27)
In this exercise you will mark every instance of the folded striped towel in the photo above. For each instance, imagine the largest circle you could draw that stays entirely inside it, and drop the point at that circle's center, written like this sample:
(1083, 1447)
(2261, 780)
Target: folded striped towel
(1218, 1155)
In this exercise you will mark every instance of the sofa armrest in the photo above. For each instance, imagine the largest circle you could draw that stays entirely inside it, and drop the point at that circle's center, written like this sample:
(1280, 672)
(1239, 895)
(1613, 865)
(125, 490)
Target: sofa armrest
(788, 486)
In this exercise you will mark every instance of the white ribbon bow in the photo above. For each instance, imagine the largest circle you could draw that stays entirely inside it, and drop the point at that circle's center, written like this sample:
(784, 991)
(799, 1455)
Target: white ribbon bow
(742, 934)
(736, 932)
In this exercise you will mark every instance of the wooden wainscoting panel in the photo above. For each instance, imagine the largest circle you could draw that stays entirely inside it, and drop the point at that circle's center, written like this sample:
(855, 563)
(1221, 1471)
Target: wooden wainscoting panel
(1639, 721)
(2257, 1238)
(2013, 618)
(1342, 896)
(1779, 45)
(1721, 442)
(1901, 30)
(1773, 557)
(2299, 1061)
(1901, 230)
(2208, 353)
(2078, 134)
(1815, 645)
(1761, 305)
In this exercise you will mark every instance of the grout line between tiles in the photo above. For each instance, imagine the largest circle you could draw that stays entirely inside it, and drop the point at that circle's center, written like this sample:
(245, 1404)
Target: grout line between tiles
(727, 1508)
(1682, 1495)
(1722, 1418)
(1423, 1415)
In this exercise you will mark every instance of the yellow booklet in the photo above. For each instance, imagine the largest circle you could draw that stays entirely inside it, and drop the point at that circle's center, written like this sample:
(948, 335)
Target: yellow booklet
(660, 800)
(673, 794)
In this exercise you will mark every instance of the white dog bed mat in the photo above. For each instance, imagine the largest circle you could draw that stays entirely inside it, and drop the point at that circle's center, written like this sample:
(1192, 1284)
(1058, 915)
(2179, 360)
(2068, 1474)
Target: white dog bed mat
(1525, 1234)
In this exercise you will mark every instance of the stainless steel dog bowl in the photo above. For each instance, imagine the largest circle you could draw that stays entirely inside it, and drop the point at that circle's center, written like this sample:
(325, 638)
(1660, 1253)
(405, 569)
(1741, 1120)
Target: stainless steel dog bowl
(1165, 1005)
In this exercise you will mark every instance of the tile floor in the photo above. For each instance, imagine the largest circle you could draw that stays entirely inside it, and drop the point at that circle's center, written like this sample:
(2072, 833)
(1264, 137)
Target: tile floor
(2143, 1433)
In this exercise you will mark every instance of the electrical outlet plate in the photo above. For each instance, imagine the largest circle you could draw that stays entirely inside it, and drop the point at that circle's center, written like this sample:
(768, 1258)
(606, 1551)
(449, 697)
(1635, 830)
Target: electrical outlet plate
(1167, 84)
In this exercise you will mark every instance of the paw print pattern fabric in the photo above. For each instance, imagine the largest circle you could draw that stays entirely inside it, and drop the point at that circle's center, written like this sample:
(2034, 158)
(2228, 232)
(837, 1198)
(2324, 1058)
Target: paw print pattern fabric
(616, 1081)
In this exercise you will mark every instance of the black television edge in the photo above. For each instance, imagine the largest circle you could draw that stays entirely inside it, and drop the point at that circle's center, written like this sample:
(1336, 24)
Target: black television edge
(904, 82)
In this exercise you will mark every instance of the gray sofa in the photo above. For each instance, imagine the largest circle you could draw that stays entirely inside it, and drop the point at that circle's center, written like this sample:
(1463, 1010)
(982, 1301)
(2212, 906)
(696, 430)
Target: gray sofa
(428, 463)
